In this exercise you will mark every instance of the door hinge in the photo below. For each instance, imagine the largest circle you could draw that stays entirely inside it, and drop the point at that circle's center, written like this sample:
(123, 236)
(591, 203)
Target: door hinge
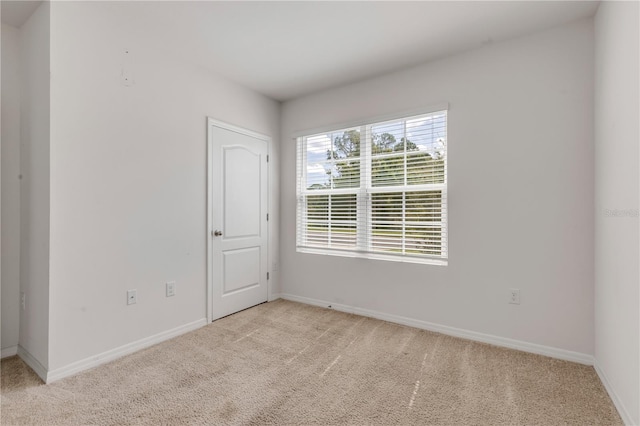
(267, 217)
(267, 158)
(267, 275)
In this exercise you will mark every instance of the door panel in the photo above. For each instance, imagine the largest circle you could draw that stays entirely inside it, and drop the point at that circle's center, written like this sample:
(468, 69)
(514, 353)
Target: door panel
(241, 269)
(238, 208)
(241, 192)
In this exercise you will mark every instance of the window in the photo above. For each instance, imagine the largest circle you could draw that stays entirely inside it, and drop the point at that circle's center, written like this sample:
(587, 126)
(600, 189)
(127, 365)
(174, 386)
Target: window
(378, 190)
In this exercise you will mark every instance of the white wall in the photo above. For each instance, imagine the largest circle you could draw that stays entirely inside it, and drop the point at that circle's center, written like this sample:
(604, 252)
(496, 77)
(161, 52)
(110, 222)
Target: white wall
(617, 275)
(10, 227)
(520, 192)
(34, 197)
(128, 180)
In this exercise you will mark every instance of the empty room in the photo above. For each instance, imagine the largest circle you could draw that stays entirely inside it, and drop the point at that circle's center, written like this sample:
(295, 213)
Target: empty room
(320, 213)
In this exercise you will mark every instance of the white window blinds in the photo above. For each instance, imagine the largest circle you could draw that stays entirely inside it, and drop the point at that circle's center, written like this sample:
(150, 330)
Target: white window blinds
(377, 190)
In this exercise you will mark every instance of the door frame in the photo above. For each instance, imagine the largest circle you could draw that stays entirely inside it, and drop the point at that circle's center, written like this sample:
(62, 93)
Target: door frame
(267, 139)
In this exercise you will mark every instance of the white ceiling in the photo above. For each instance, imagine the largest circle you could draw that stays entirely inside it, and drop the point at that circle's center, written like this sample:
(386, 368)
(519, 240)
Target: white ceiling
(289, 49)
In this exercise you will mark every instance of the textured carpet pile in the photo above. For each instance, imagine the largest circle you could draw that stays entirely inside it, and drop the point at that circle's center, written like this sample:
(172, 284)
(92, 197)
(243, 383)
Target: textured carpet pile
(286, 363)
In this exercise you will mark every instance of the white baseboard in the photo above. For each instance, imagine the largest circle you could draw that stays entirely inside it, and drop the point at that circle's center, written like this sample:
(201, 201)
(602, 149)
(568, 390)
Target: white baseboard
(622, 410)
(274, 296)
(10, 351)
(35, 365)
(451, 331)
(121, 351)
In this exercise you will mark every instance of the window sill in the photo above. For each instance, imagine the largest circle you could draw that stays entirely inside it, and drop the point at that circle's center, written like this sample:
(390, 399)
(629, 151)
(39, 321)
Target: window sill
(373, 256)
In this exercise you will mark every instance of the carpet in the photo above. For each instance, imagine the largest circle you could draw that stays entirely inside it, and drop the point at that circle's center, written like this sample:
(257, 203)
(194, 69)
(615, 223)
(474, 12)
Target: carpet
(287, 363)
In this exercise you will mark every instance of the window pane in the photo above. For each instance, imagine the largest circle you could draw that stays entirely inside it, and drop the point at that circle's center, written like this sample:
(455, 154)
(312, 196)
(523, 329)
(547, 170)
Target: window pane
(343, 220)
(319, 175)
(343, 207)
(387, 138)
(346, 174)
(423, 240)
(343, 235)
(422, 168)
(423, 216)
(318, 165)
(317, 220)
(331, 220)
(427, 134)
(387, 170)
(346, 144)
(423, 206)
(386, 222)
(318, 208)
(407, 223)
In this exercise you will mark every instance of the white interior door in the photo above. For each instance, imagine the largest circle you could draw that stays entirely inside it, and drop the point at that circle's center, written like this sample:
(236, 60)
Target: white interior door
(238, 182)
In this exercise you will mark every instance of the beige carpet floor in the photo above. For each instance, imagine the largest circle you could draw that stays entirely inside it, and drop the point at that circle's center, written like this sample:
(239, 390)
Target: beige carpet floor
(287, 363)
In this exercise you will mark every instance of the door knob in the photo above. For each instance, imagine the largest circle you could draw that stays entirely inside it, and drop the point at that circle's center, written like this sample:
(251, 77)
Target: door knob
(217, 233)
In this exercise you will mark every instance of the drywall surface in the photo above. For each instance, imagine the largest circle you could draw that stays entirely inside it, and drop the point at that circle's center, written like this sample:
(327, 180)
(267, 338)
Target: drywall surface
(617, 242)
(520, 150)
(34, 186)
(10, 227)
(129, 179)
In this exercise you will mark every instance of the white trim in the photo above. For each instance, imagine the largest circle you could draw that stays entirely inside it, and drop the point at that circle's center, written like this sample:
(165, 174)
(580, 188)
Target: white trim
(440, 106)
(237, 129)
(221, 124)
(275, 296)
(452, 331)
(373, 256)
(10, 351)
(622, 410)
(33, 363)
(110, 355)
(209, 284)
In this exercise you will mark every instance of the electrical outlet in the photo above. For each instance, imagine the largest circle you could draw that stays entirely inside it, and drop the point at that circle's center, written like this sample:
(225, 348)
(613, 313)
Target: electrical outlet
(132, 297)
(23, 300)
(171, 288)
(514, 296)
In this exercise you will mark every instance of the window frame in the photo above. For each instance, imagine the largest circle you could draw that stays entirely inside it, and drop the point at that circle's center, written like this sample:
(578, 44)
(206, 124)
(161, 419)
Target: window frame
(364, 193)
